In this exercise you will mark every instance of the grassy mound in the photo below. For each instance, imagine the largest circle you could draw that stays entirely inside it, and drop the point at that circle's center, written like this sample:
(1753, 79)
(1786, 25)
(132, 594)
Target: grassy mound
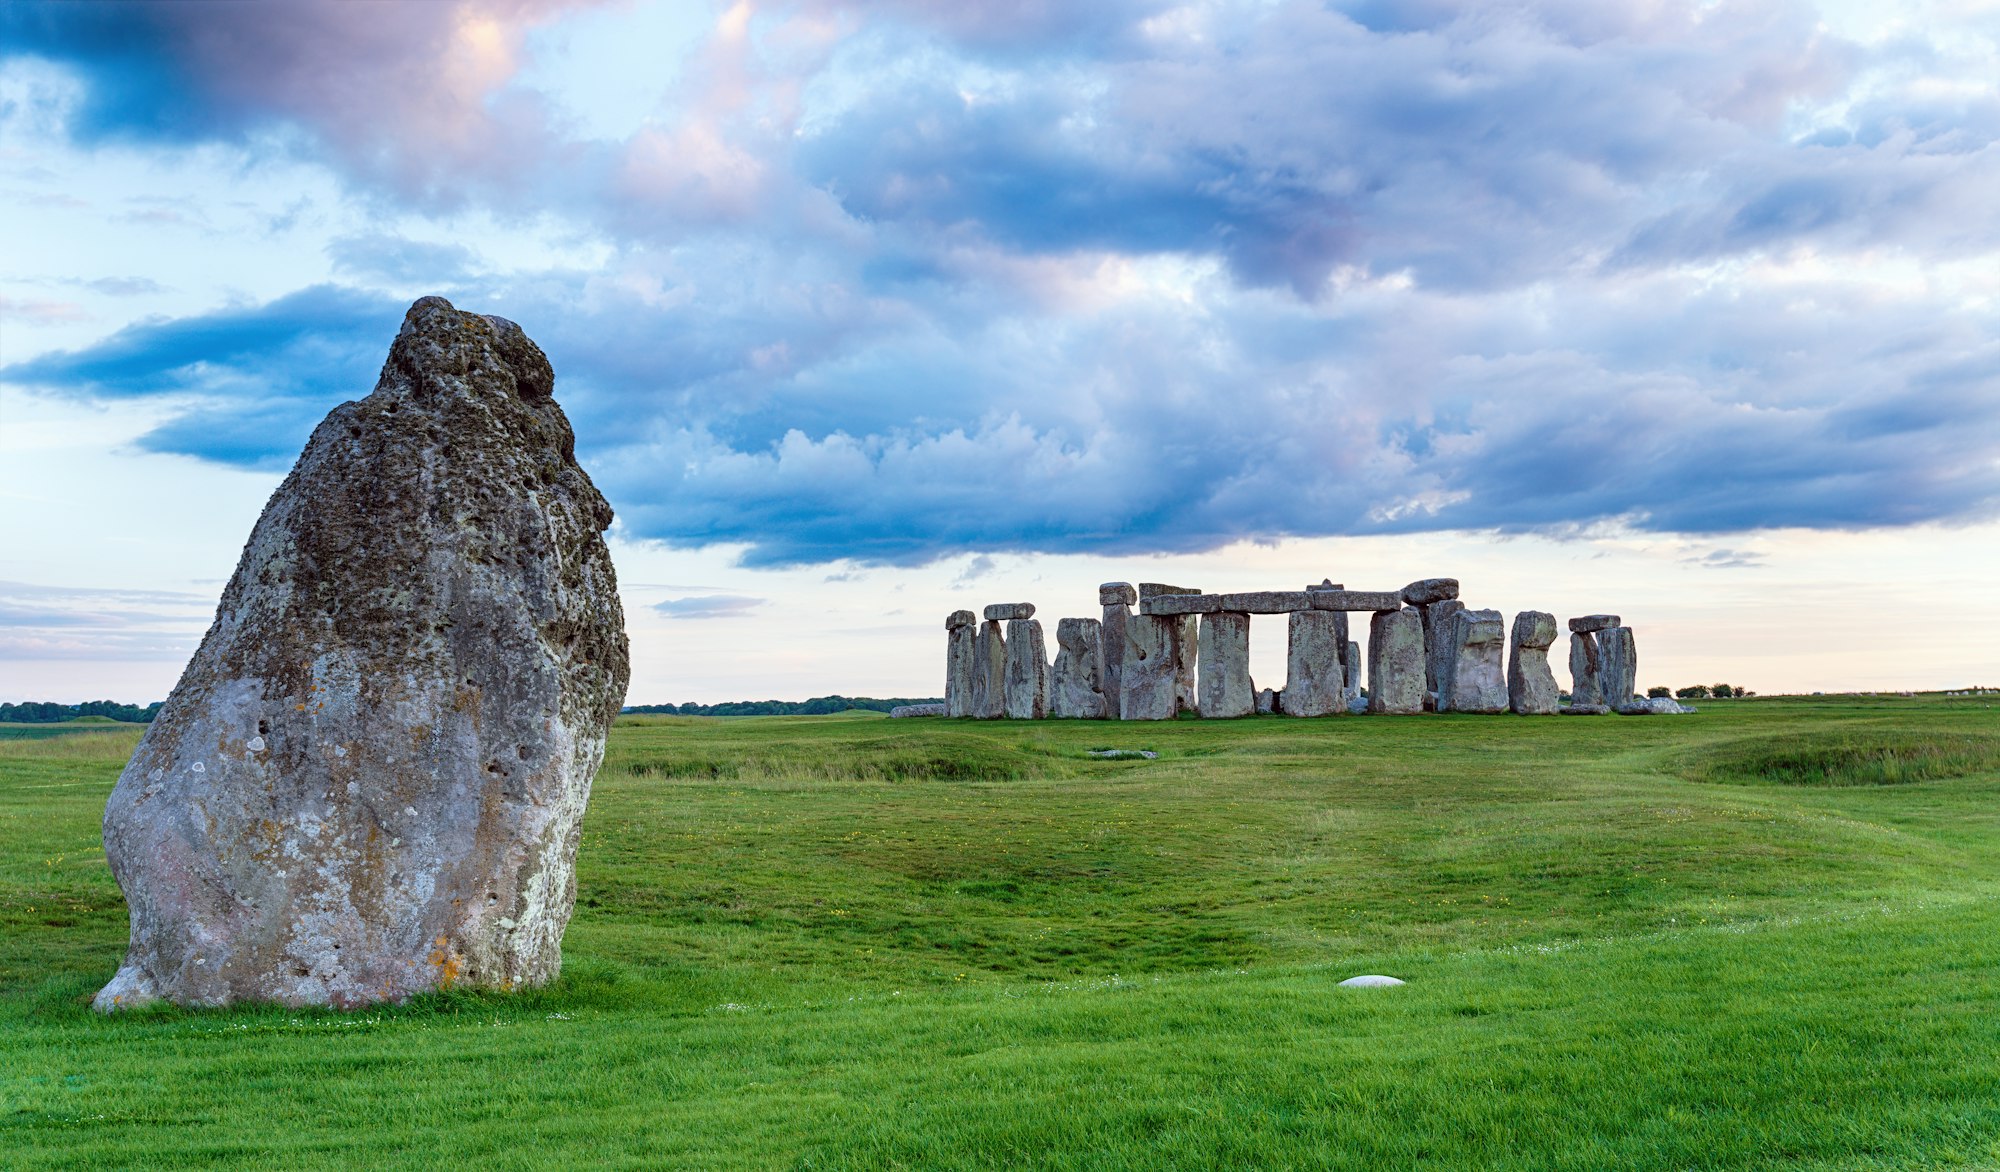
(1861, 756)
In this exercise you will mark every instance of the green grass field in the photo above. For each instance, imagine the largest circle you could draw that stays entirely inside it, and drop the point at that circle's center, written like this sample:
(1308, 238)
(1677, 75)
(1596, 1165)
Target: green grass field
(1762, 936)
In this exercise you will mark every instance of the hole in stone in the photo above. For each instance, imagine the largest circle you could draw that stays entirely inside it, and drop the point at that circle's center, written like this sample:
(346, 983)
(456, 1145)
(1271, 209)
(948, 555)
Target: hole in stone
(353, 433)
(521, 751)
(492, 897)
(263, 727)
(303, 972)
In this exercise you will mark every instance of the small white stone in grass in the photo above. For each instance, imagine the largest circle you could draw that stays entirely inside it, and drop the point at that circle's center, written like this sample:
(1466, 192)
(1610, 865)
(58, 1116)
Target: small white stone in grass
(1370, 981)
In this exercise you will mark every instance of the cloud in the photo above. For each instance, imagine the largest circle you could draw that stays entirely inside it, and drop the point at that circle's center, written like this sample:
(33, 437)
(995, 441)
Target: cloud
(712, 606)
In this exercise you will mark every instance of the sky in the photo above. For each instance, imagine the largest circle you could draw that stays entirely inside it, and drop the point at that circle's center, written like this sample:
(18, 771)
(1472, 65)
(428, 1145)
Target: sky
(865, 313)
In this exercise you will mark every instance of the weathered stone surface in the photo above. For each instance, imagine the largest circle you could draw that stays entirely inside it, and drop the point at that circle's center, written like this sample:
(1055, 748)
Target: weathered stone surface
(1617, 666)
(1315, 682)
(1187, 650)
(904, 711)
(1180, 604)
(1111, 638)
(1116, 594)
(1027, 671)
(1224, 655)
(1351, 665)
(1475, 678)
(1586, 710)
(1361, 600)
(1155, 589)
(1654, 706)
(989, 672)
(1592, 623)
(1147, 679)
(1001, 612)
(1437, 624)
(960, 654)
(369, 780)
(1396, 662)
(1077, 690)
(1531, 686)
(1429, 590)
(959, 618)
(1267, 702)
(1584, 665)
(1264, 601)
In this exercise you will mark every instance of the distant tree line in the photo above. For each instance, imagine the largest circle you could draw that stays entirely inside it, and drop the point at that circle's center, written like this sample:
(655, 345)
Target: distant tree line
(1700, 692)
(43, 712)
(817, 706)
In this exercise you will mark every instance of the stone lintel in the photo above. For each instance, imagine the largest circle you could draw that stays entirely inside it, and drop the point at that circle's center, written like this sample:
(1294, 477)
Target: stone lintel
(1356, 600)
(1154, 589)
(959, 618)
(1179, 604)
(1003, 611)
(1593, 622)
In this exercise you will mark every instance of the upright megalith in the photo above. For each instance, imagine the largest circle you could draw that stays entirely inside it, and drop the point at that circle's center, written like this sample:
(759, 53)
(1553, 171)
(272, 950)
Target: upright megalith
(1396, 662)
(1027, 671)
(1531, 686)
(1148, 680)
(1315, 681)
(961, 638)
(1474, 675)
(1438, 650)
(1617, 668)
(1077, 691)
(1224, 653)
(369, 781)
(1186, 633)
(1115, 599)
(989, 671)
(1585, 697)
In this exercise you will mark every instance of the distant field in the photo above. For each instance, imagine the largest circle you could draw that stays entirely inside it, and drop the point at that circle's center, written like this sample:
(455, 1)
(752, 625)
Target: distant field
(1761, 936)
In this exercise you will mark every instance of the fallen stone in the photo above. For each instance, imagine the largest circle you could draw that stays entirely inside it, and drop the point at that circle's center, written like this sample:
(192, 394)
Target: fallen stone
(1001, 612)
(1267, 702)
(960, 655)
(903, 711)
(370, 779)
(1180, 604)
(1396, 662)
(1475, 677)
(1586, 710)
(1027, 671)
(1116, 594)
(1357, 600)
(989, 672)
(1123, 754)
(1617, 666)
(1077, 690)
(1437, 624)
(1531, 686)
(1584, 667)
(1429, 590)
(959, 618)
(1315, 681)
(1224, 657)
(1654, 706)
(1147, 679)
(1592, 623)
(1264, 601)
(1370, 981)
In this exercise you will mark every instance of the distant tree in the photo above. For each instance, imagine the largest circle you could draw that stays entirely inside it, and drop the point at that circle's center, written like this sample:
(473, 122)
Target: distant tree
(1722, 691)
(817, 706)
(1659, 693)
(44, 712)
(1694, 692)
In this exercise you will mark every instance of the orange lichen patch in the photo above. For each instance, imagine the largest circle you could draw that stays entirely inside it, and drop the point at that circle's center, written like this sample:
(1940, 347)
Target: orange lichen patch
(446, 962)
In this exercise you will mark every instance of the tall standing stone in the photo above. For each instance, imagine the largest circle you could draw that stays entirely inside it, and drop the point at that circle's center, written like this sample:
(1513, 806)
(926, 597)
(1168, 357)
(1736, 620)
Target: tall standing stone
(1475, 675)
(1438, 651)
(1315, 681)
(989, 672)
(1531, 686)
(1617, 667)
(1115, 599)
(1396, 662)
(1027, 671)
(369, 781)
(1226, 690)
(1147, 681)
(1078, 689)
(1585, 696)
(1186, 636)
(1351, 664)
(962, 637)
